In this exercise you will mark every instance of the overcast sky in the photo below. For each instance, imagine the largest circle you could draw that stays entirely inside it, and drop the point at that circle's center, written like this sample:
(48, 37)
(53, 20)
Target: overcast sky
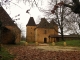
(21, 8)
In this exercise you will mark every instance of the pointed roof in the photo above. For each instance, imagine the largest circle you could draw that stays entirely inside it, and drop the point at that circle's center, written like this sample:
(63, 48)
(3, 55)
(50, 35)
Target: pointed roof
(52, 23)
(31, 22)
(43, 24)
(5, 18)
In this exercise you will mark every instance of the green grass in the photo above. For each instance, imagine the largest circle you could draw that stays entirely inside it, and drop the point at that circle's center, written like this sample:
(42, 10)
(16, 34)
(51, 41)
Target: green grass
(22, 42)
(75, 43)
(5, 55)
(29, 43)
(69, 43)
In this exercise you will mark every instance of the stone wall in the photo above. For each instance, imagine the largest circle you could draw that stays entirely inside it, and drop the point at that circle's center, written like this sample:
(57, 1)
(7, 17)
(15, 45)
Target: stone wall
(11, 35)
(30, 33)
(42, 35)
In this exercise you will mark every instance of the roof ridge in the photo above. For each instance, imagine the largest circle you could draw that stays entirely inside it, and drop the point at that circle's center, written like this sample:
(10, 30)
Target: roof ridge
(5, 18)
(43, 23)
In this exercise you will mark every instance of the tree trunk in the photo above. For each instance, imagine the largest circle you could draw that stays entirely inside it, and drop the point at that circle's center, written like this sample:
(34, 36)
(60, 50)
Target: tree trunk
(62, 35)
(0, 38)
(0, 33)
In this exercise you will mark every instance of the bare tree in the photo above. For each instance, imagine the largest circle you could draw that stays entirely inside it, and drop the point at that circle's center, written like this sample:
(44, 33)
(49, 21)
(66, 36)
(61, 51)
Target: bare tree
(60, 18)
(72, 24)
(0, 33)
(60, 14)
(74, 6)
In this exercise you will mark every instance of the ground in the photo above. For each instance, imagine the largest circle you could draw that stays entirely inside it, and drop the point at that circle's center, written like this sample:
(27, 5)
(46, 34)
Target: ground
(58, 48)
(44, 52)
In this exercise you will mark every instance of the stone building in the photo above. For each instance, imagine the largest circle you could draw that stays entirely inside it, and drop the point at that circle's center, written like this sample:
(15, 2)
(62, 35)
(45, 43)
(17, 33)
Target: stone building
(10, 31)
(41, 32)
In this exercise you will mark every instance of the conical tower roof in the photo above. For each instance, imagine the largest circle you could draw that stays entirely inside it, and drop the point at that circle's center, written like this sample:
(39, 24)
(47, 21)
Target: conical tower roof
(31, 22)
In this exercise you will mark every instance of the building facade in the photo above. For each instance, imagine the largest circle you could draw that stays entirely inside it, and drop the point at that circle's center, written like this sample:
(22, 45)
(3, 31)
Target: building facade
(41, 32)
(10, 32)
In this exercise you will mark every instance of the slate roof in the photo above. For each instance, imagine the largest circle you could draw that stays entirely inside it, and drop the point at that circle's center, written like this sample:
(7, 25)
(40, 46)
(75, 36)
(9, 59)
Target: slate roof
(31, 22)
(45, 24)
(5, 18)
(53, 23)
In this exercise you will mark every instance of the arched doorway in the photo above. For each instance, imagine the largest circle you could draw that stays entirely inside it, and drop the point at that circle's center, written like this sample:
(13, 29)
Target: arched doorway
(45, 40)
(8, 37)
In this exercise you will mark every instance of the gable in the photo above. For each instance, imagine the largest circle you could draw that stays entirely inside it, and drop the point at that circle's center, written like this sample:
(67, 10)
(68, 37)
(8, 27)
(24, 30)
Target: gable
(5, 18)
(53, 23)
(43, 24)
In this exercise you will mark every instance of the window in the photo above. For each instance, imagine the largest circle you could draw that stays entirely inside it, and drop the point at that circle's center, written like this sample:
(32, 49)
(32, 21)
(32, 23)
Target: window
(31, 32)
(45, 32)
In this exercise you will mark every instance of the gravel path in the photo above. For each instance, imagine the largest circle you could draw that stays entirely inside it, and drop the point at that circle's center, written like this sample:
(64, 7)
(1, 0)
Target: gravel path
(58, 48)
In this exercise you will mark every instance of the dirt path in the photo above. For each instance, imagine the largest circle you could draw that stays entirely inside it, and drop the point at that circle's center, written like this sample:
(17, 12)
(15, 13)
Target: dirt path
(58, 48)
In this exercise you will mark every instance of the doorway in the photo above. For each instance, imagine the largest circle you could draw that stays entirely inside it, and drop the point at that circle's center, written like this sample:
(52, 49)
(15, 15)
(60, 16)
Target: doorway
(45, 40)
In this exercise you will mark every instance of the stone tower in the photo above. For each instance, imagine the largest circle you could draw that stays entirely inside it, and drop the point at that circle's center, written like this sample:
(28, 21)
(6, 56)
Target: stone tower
(30, 30)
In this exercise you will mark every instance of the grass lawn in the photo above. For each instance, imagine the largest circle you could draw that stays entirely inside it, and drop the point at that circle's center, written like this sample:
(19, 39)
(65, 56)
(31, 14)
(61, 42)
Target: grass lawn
(75, 43)
(5, 55)
(29, 43)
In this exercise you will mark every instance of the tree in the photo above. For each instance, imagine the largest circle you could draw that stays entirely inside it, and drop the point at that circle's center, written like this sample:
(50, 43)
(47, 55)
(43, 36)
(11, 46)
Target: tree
(72, 24)
(59, 15)
(74, 6)
(0, 33)
(59, 18)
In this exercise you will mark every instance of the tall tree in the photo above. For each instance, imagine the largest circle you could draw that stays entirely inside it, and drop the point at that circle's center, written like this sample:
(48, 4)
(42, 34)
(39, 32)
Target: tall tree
(72, 24)
(75, 8)
(60, 14)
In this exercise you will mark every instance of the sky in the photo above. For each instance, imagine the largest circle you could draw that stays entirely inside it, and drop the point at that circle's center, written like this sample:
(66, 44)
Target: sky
(21, 8)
